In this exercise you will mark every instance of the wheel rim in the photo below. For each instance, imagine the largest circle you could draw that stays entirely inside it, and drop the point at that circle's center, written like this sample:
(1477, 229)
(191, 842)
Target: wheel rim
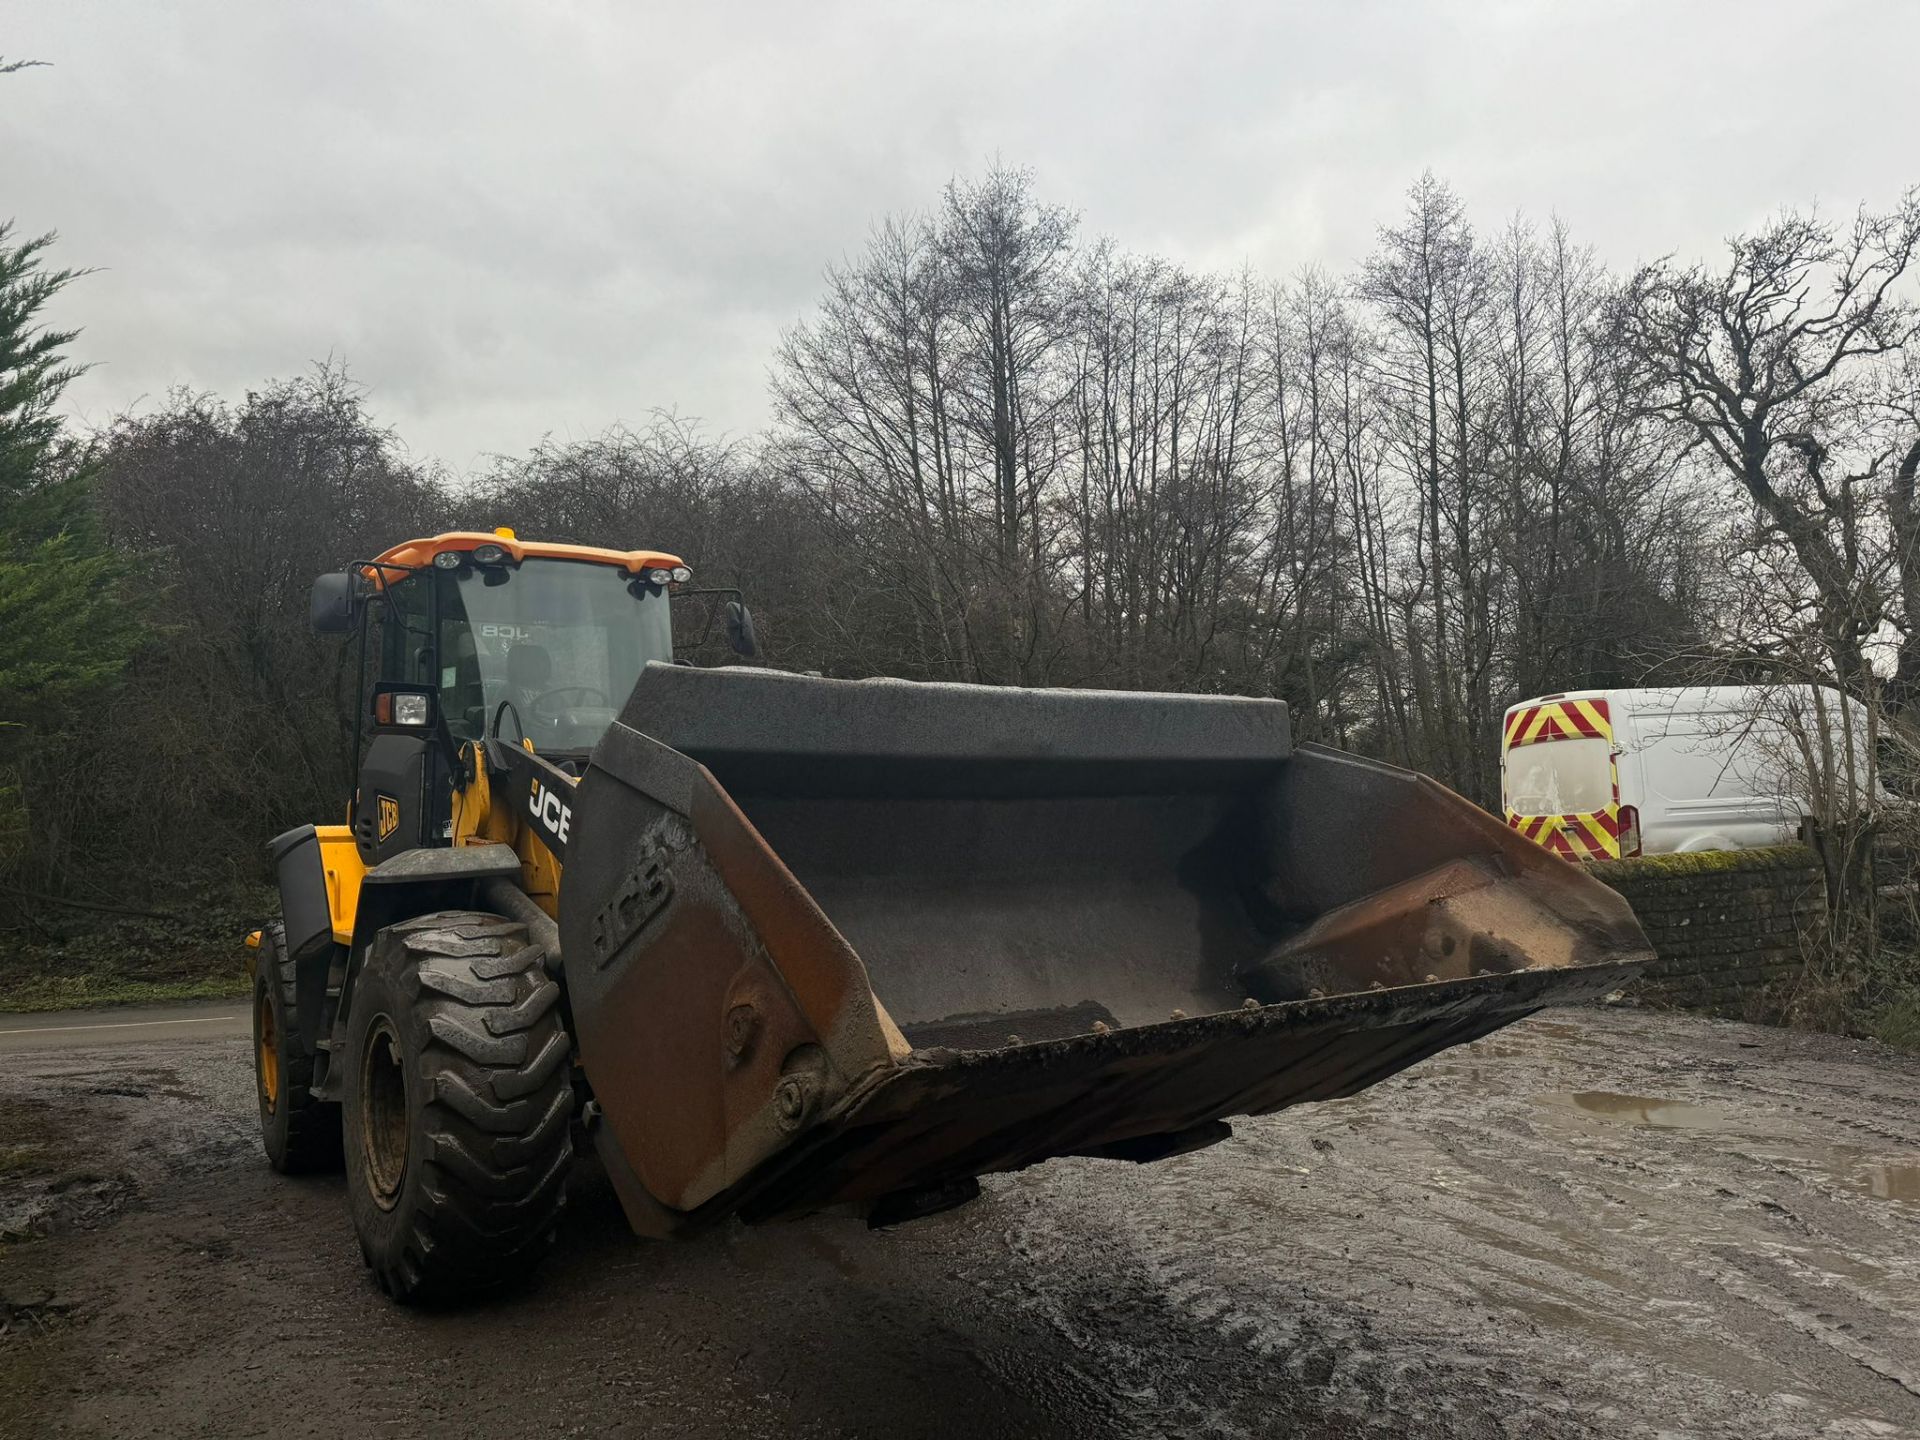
(383, 1113)
(266, 1046)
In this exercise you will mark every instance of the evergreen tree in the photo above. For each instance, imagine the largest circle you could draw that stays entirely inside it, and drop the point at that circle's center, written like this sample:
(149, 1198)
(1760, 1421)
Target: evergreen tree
(62, 624)
(65, 631)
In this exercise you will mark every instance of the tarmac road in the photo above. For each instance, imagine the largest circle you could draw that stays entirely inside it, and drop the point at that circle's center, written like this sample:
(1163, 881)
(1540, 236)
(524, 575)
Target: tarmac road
(127, 1025)
(1593, 1223)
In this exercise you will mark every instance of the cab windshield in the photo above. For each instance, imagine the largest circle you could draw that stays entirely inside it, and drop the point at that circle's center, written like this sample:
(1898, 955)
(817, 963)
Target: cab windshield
(557, 643)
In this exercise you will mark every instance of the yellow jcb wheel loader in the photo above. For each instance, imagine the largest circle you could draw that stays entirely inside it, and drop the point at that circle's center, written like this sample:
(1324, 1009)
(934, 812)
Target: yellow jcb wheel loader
(778, 943)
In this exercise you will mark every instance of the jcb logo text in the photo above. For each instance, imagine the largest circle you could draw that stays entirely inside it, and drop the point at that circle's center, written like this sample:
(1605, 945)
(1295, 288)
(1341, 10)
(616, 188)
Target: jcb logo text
(551, 811)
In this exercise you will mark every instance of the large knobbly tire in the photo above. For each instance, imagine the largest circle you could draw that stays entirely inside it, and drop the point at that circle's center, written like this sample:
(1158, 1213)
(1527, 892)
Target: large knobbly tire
(300, 1134)
(458, 1105)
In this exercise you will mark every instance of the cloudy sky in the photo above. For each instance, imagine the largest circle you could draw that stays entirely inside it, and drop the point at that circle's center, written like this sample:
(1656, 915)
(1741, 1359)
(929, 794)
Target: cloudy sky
(520, 219)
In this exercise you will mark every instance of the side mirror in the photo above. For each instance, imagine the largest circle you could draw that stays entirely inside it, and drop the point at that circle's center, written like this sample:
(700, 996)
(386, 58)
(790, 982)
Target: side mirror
(332, 610)
(740, 629)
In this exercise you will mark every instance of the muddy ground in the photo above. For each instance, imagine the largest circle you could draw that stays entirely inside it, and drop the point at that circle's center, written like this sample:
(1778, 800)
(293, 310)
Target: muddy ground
(1595, 1223)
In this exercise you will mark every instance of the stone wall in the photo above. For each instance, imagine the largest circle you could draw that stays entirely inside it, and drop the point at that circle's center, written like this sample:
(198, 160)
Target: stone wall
(1725, 923)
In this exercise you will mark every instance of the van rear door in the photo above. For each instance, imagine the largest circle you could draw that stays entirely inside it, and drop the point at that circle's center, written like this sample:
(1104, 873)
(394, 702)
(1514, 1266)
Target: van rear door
(1558, 783)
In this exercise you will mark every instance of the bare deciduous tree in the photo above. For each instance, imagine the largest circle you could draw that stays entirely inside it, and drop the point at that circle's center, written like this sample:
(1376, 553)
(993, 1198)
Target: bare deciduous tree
(1769, 366)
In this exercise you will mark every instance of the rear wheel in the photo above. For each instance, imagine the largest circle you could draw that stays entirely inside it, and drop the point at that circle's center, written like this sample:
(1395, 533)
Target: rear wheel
(299, 1133)
(458, 1098)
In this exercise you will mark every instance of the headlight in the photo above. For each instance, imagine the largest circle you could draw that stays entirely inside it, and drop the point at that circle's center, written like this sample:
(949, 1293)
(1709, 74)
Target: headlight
(403, 707)
(659, 577)
(449, 560)
(682, 574)
(489, 555)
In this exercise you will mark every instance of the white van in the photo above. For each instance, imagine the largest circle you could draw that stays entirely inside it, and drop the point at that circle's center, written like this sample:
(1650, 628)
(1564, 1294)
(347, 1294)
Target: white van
(1601, 774)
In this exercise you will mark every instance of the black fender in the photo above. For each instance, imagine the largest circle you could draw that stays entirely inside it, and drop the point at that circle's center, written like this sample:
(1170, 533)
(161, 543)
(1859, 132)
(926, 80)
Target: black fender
(307, 922)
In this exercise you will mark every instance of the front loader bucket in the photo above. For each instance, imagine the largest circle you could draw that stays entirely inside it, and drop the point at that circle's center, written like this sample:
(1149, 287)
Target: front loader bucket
(847, 941)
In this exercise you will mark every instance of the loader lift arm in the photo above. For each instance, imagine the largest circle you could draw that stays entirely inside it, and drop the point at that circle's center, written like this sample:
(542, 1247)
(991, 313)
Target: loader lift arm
(539, 792)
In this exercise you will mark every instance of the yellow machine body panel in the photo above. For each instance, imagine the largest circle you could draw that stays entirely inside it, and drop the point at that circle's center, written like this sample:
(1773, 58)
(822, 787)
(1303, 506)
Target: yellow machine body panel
(477, 820)
(340, 862)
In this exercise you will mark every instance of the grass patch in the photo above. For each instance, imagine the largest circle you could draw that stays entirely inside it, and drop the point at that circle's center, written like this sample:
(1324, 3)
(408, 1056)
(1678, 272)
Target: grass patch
(1897, 1023)
(198, 954)
(1708, 862)
(80, 992)
(20, 1160)
(32, 1141)
(1844, 996)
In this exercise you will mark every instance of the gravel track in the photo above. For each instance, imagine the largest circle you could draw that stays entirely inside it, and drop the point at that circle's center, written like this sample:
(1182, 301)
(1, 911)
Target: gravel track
(1605, 1222)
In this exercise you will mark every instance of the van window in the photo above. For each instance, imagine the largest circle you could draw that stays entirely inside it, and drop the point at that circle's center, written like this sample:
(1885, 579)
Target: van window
(1560, 777)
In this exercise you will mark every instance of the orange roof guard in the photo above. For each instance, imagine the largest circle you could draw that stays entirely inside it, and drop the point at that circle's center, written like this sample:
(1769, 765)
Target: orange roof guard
(419, 553)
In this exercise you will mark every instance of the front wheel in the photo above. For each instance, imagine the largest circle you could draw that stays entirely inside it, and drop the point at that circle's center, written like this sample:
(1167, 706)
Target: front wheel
(457, 1104)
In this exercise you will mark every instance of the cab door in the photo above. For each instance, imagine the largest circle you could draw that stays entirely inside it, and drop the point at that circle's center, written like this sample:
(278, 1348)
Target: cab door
(404, 793)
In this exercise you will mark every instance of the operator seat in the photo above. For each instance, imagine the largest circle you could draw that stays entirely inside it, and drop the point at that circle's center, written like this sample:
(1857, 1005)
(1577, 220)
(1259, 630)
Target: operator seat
(529, 676)
(529, 668)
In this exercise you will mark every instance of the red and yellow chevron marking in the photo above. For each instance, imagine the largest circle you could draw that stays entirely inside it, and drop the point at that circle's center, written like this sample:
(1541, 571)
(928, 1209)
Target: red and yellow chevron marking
(1576, 837)
(1559, 720)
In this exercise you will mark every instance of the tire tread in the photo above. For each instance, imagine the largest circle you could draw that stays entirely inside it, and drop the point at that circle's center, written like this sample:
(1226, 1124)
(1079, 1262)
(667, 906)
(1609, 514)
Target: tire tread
(493, 1132)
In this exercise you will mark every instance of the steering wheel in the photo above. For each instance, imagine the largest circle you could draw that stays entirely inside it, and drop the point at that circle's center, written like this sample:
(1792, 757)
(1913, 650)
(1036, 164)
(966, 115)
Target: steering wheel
(538, 707)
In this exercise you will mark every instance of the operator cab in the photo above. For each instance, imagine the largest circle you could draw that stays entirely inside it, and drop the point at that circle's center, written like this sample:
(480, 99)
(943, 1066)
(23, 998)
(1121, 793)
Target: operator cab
(546, 650)
(483, 637)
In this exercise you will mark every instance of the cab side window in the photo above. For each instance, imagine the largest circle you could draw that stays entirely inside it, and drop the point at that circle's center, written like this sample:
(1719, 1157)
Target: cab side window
(406, 641)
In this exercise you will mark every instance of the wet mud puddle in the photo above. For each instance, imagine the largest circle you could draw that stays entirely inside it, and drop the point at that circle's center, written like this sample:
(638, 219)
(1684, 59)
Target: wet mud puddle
(1735, 1257)
(1882, 1177)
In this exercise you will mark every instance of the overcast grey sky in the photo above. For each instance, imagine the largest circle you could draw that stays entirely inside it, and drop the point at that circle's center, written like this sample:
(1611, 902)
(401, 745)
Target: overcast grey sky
(515, 219)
